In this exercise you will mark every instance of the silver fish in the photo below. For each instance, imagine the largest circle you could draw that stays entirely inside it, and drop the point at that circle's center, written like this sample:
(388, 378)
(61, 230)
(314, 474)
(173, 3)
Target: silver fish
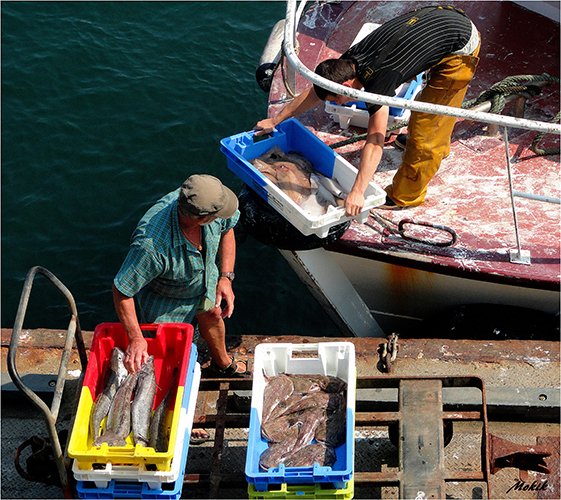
(118, 423)
(161, 420)
(143, 402)
(114, 376)
(311, 454)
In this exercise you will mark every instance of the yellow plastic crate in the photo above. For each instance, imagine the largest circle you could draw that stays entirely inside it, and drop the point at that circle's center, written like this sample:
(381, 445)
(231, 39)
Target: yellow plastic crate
(296, 491)
(171, 347)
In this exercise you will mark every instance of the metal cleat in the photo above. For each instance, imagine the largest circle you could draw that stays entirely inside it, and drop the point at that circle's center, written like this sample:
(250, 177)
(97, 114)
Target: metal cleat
(388, 353)
(505, 453)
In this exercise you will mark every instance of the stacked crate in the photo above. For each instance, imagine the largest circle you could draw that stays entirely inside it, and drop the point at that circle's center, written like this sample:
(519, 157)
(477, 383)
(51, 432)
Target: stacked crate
(135, 471)
(326, 358)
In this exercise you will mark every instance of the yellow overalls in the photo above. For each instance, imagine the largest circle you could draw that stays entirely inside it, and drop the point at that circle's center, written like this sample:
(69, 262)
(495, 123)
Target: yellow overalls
(428, 140)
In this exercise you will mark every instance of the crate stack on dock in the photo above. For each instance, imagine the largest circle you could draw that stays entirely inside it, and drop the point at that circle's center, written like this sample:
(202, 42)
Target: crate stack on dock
(335, 359)
(134, 470)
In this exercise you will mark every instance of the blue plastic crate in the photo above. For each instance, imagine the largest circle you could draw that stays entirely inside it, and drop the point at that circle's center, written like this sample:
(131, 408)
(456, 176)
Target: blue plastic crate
(171, 490)
(87, 489)
(289, 135)
(333, 358)
(408, 92)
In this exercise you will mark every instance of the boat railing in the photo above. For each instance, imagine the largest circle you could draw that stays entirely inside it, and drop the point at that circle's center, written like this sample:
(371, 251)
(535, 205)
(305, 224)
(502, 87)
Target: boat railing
(292, 16)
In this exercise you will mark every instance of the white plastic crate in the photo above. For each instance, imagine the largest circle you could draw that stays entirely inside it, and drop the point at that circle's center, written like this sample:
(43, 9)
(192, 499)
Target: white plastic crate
(325, 358)
(139, 473)
(355, 113)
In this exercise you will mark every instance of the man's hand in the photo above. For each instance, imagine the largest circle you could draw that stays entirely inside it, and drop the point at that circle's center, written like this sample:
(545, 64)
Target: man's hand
(301, 103)
(264, 127)
(135, 355)
(354, 204)
(224, 292)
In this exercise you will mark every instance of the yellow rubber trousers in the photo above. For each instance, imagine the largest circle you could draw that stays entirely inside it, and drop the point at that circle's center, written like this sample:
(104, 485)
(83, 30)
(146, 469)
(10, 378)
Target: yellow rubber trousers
(428, 135)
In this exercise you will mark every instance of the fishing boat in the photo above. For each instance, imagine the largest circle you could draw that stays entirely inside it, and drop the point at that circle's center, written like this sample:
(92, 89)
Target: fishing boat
(486, 244)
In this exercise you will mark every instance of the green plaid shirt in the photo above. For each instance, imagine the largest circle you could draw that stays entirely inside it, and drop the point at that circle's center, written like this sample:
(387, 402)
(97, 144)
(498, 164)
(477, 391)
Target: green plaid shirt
(164, 271)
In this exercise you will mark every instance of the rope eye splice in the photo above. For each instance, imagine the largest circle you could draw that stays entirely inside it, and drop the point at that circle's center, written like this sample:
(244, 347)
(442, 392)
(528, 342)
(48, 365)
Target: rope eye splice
(399, 229)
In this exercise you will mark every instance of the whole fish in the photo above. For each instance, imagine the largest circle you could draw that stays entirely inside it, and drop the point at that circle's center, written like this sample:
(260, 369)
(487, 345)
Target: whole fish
(334, 384)
(272, 456)
(114, 376)
(304, 385)
(278, 429)
(326, 383)
(319, 400)
(277, 390)
(311, 454)
(283, 405)
(161, 420)
(296, 177)
(118, 424)
(289, 171)
(143, 402)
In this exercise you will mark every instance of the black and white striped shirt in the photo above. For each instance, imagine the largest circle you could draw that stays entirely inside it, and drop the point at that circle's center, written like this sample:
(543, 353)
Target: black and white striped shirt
(436, 33)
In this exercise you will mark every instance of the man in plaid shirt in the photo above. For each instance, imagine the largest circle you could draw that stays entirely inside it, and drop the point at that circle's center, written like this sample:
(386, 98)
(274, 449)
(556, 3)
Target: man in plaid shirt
(180, 267)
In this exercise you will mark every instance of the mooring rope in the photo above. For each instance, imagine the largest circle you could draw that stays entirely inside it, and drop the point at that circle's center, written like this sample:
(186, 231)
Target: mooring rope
(496, 95)
(539, 137)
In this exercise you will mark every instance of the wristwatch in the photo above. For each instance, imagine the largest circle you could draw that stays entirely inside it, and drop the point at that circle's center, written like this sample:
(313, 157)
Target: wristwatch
(230, 276)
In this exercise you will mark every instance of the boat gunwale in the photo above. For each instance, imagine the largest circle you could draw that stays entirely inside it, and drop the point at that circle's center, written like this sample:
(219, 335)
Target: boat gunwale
(390, 256)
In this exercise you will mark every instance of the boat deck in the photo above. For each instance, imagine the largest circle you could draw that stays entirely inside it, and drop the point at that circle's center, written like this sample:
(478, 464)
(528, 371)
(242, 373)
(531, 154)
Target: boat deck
(470, 193)
(521, 381)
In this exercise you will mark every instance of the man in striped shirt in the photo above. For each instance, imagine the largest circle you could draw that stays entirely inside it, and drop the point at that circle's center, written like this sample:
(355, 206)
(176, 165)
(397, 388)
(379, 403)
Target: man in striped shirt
(440, 40)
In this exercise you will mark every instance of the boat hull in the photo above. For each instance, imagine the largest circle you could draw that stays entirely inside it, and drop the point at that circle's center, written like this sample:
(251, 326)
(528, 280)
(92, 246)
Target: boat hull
(391, 292)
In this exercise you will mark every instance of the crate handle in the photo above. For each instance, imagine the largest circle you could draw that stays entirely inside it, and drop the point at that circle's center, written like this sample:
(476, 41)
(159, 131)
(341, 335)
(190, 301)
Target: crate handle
(304, 349)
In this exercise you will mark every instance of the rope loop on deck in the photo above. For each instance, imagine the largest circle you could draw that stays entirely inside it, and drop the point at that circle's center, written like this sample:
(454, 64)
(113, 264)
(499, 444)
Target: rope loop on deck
(539, 137)
(519, 85)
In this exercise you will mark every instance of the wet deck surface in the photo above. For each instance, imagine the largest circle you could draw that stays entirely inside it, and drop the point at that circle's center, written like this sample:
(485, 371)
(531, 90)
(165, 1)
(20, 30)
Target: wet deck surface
(216, 468)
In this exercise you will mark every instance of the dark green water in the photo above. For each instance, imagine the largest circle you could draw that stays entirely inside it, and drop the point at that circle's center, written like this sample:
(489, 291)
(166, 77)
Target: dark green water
(107, 106)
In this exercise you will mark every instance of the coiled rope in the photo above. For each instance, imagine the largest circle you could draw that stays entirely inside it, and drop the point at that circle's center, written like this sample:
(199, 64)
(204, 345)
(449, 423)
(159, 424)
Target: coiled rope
(520, 85)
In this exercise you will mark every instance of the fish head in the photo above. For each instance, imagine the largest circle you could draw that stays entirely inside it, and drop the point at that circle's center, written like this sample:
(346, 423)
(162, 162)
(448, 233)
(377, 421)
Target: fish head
(117, 364)
(148, 367)
(117, 356)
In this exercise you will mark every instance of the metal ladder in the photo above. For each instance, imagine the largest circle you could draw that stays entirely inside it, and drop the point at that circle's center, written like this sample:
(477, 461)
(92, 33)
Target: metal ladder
(74, 332)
